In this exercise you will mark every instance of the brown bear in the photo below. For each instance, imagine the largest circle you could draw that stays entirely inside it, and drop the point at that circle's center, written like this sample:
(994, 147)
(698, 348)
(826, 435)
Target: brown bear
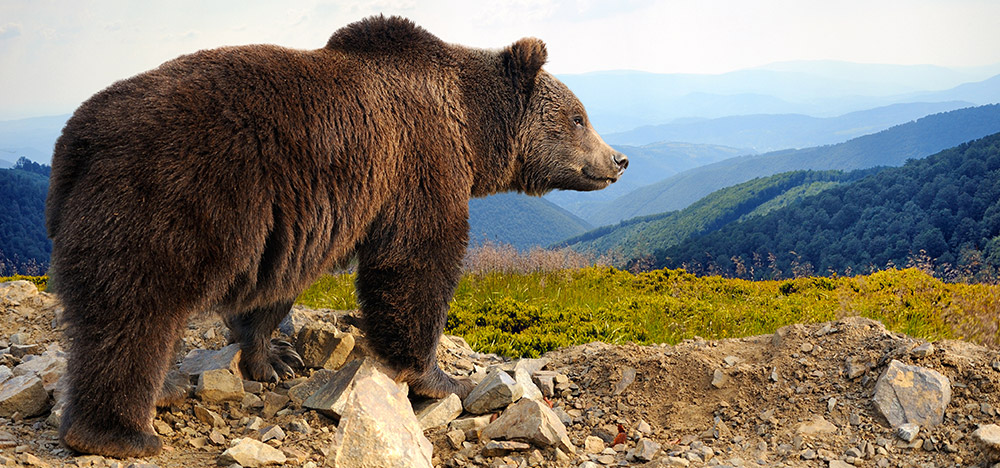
(229, 179)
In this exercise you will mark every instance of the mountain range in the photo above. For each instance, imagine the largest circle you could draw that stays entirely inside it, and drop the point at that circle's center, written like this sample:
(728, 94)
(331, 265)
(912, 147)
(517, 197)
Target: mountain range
(891, 147)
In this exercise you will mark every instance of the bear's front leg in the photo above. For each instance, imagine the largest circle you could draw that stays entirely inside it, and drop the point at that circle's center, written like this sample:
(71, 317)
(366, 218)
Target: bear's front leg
(403, 288)
(262, 358)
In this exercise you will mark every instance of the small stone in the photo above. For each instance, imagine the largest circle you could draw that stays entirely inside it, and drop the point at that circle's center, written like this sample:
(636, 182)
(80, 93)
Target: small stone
(271, 432)
(816, 426)
(299, 425)
(251, 453)
(162, 428)
(216, 437)
(251, 401)
(437, 413)
(988, 437)
(605, 459)
(807, 347)
(25, 395)
(593, 444)
(499, 448)
(253, 386)
(532, 421)
(218, 385)
(20, 351)
(855, 367)
(923, 350)
(908, 431)
(32, 460)
(198, 361)
(628, 376)
(831, 404)
(545, 380)
(718, 378)
(912, 394)
(840, 464)
(645, 450)
(523, 378)
(254, 424)
(676, 462)
(589, 464)
(731, 360)
(208, 416)
(455, 438)
(854, 452)
(322, 345)
(643, 427)
(5, 374)
(496, 391)
(808, 454)
(273, 402)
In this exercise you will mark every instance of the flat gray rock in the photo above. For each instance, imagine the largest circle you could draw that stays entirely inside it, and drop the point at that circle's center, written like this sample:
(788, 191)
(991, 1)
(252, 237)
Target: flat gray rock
(198, 361)
(912, 394)
(437, 413)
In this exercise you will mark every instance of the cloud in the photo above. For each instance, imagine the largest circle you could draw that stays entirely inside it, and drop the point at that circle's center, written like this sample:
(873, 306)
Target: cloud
(10, 30)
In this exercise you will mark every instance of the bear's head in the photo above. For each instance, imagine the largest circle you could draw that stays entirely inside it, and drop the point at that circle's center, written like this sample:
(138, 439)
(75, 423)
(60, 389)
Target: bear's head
(556, 146)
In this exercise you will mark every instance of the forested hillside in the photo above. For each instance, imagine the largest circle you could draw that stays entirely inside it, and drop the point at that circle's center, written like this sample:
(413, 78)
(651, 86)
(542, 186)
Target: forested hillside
(521, 221)
(24, 247)
(942, 212)
(891, 147)
(643, 235)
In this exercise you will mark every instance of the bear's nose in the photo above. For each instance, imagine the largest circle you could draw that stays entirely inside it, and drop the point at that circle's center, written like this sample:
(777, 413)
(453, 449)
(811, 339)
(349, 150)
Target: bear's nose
(620, 160)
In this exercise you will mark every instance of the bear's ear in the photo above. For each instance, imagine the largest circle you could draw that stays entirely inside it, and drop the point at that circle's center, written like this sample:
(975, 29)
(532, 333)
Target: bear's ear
(522, 61)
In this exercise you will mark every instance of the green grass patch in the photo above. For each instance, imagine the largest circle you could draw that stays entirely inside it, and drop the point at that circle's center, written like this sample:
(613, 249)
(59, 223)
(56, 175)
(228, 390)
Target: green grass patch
(526, 314)
(41, 282)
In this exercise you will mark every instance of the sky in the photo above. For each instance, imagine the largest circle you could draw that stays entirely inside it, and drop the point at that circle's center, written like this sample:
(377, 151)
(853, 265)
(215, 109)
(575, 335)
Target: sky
(55, 54)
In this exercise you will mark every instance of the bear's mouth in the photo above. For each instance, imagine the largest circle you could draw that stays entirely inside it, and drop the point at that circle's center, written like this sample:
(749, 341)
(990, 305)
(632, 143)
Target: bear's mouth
(605, 180)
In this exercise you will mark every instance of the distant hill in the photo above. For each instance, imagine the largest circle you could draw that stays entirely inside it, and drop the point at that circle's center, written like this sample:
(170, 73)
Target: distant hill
(784, 131)
(24, 246)
(521, 220)
(643, 235)
(33, 138)
(647, 164)
(619, 101)
(941, 212)
(891, 147)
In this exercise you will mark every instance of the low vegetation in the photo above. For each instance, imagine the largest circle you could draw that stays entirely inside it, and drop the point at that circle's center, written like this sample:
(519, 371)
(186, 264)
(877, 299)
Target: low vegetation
(528, 313)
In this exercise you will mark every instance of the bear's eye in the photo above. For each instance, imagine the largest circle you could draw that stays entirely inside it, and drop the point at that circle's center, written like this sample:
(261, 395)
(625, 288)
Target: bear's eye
(578, 121)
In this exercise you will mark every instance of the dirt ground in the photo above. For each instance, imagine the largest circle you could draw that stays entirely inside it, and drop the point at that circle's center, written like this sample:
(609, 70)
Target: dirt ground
(735, 402)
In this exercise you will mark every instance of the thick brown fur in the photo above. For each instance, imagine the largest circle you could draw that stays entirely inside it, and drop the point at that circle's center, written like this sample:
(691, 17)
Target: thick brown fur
(229, 179)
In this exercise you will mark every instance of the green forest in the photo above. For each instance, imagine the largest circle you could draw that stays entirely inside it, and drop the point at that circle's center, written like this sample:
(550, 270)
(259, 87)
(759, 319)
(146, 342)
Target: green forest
(24, 246)
(641, 236)
(940, 214)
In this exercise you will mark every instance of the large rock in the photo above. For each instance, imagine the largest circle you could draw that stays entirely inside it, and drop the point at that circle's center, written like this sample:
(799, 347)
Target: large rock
(532, 421)
(988, 437)
(322, 345)
(912, 394)
(250, 453)
(5, 374)
(218, 385)
(14, 292)
(816, 426)
(332, 397)
(378, 429)
(23, 394)
(301, 392)
(496, 391)
(437, 413)
(49, 367)
(198, 361)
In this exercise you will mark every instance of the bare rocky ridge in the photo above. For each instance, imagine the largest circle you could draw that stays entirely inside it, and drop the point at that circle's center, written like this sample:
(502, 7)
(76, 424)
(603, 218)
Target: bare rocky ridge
(808, 395)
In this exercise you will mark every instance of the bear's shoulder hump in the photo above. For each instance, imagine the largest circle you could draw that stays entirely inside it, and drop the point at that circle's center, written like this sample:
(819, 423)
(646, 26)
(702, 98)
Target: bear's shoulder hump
(383, 34)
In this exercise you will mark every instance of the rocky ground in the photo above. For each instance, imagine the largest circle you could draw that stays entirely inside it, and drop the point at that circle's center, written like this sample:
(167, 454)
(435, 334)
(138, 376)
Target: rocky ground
(838, 394)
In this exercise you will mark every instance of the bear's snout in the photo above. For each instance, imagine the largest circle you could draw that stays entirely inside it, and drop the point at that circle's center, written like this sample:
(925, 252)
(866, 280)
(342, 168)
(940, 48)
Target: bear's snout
(621, 161)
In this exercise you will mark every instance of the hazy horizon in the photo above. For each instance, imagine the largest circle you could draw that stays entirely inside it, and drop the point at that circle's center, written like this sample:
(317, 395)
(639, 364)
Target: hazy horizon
(54, 55)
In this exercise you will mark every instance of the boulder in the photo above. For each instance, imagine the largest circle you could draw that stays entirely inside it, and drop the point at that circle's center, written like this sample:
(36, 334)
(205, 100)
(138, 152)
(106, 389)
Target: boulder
(378, 428)
(24, 394)
(320, 344)
(532, 421)
(496, 391)
(437, 413)
(912, 394)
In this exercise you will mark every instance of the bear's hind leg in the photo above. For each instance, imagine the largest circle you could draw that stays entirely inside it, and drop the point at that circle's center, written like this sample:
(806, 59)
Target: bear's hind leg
(116, 369)
(262, 358)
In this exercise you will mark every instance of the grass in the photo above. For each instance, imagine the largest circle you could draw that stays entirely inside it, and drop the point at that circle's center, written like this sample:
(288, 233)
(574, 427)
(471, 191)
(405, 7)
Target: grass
(528, 313)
